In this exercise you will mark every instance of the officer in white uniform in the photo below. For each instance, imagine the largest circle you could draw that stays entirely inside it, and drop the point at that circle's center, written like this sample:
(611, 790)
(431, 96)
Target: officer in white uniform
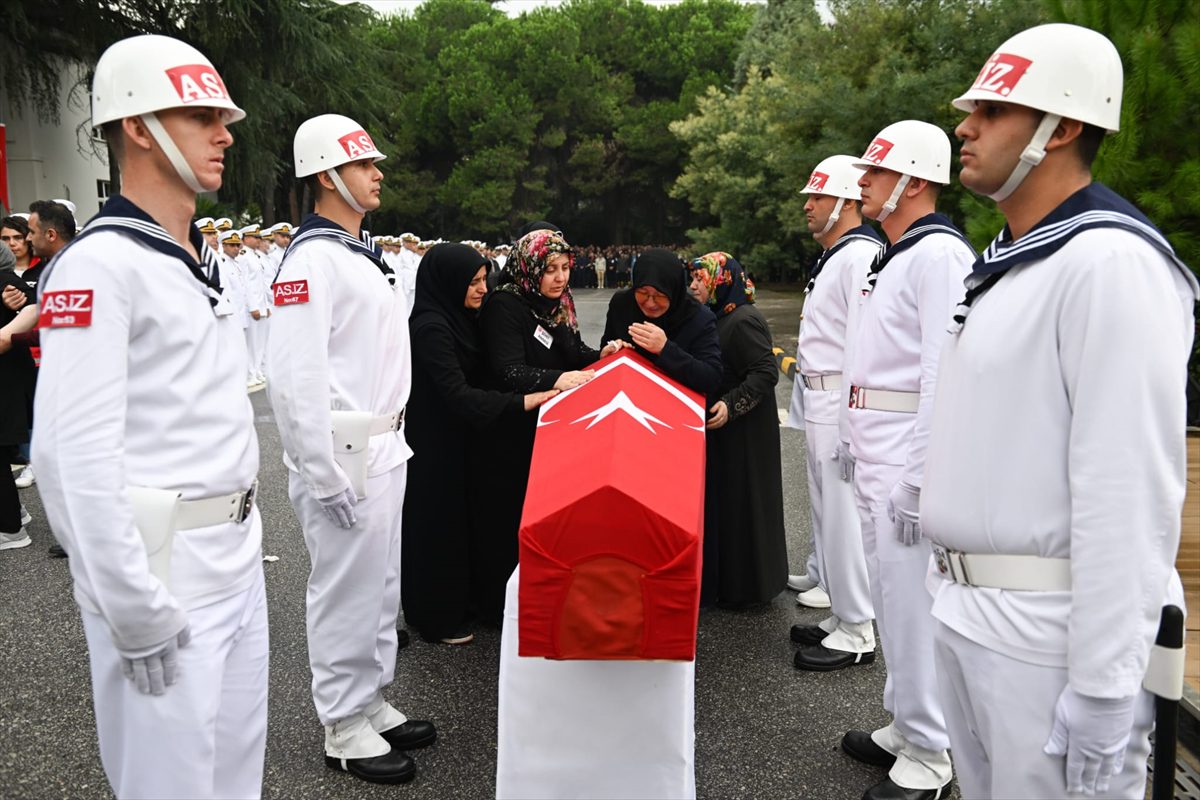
(281, 237)
(847, 637)
(340, 361)
(261, 273)
(910, 292)
(233, 286)
(1056, 464)
(208, 229)
(142, 419)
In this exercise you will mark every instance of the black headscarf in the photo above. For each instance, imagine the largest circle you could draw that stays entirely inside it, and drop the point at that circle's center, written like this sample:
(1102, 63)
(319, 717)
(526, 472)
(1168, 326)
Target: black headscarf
(445, 272)
(662, 270)
(536, 225)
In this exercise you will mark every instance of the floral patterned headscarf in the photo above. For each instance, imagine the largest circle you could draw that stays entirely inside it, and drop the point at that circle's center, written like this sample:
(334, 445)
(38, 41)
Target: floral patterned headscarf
(726, 281)
(523, 276)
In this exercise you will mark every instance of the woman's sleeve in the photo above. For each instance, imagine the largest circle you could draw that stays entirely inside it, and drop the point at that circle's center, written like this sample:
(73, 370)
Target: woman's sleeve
(504, 337)
(751, 359)
(698, 366)
(438, 359)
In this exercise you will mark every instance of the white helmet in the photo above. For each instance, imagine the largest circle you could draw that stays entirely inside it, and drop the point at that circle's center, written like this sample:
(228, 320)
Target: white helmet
(836, 176)
(67, 204)
(1063, 70)
(326, 142)
(913, 148)
(143, 74)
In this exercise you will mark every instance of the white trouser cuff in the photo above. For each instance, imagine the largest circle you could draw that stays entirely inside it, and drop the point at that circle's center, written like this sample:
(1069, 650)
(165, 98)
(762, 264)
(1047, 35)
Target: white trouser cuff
(918, 768)
(851, 637)
(829, 624)
(889, 738)
(382, 715)
(354, 737)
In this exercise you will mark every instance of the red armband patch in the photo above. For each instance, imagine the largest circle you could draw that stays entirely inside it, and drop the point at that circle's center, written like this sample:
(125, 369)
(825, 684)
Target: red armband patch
(291, 293)
(65, 309)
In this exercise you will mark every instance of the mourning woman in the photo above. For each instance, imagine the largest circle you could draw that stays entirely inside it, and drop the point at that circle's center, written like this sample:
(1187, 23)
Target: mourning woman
(442, 570)
(745, 556)
(661, 321)
(531, 343)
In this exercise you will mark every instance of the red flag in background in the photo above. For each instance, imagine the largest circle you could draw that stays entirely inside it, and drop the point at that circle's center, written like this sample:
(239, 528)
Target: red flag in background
(610, 541)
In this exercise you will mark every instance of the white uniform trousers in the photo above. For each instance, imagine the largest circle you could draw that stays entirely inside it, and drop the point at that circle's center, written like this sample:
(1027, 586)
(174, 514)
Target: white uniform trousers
(251, 352)
(206, 736)
(837, 542)
(353, 595)
(1000, 712)
(610, 729)
(258, 355)
(902, 611)
(256, 341)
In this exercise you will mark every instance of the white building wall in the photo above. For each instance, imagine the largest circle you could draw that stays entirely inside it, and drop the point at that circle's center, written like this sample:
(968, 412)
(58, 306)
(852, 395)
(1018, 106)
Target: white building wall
(48, 161)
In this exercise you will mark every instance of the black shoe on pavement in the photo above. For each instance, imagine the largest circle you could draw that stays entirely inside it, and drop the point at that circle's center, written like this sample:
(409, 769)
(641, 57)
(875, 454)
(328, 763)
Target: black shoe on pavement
(861, 747)
(56, 551)
(412, 735)
(887, 789)
(808, 634)
(393, 767)
(819, 658)
(402, 638)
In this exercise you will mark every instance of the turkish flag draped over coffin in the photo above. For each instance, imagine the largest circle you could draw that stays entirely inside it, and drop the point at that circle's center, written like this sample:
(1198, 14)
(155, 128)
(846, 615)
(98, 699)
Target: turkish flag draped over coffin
(610, 540)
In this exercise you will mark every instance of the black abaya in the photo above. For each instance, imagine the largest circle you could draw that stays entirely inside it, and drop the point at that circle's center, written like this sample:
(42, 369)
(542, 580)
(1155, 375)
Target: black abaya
(745, 552)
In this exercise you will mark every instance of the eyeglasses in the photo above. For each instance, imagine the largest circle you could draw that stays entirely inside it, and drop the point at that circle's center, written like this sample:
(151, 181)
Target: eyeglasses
(646, 295)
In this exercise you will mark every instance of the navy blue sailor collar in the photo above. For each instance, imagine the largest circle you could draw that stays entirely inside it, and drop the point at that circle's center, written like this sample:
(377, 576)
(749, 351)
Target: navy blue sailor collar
(1093, 206)
(121, 214)
(860, 233)
(927, 225)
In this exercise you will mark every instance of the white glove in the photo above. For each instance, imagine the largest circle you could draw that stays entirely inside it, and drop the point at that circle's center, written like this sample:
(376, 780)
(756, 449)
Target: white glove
(1093, 733)
(153, 669)
(845, 461)
(903, 508)
(340, 508)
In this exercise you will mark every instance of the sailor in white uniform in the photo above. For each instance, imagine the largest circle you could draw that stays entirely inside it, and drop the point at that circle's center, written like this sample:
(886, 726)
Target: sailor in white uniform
(146, 448)
(339, 361)
(1056, 465)
(847, 637)
(258, 275)
(910, 292)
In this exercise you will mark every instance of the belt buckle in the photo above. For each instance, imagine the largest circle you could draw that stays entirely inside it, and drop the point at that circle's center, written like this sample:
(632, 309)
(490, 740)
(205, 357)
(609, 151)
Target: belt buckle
(950, 565)
(247, 503)
(399, 420)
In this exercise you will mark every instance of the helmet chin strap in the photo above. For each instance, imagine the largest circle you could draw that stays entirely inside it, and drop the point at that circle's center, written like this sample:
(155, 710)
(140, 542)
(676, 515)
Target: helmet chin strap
(833, 217)
(1031, 156)
(343, 191)
(890, 205)
(171, 151)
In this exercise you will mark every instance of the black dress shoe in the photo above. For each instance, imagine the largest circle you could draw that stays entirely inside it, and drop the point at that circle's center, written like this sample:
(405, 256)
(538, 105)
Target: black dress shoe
(887, 789)
(402, 638)
(808, 634)
(56, 551)
(819, 658)
(860, 746)
(412, 735)
(393, 767)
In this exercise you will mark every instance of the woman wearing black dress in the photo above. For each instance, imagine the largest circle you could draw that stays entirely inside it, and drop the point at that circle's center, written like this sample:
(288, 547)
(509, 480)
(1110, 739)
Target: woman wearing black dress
(532, 344)
(442, 575)
(661, 321)
(745, 555)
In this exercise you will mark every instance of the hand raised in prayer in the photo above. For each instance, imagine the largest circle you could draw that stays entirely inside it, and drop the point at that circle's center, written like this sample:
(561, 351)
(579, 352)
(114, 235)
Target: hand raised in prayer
(648, 336)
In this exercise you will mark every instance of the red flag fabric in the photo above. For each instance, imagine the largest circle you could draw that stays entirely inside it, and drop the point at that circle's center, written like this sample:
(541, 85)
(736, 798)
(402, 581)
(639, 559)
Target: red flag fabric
(610, 540)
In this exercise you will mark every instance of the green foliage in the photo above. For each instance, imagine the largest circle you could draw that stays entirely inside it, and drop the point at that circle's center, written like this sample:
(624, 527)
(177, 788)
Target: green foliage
(828, 88)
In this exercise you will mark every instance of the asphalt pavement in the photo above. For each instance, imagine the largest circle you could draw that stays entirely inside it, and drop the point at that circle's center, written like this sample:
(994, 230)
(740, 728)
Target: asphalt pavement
(763, 729)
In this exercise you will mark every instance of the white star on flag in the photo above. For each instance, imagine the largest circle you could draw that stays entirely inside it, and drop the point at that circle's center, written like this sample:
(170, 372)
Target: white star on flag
(621, 402)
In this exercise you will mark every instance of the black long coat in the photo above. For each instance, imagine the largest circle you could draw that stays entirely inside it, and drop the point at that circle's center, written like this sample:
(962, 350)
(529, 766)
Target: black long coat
(745, 552)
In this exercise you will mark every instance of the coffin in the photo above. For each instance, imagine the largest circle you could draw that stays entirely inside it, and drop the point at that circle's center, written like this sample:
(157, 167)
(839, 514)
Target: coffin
(610, 539)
